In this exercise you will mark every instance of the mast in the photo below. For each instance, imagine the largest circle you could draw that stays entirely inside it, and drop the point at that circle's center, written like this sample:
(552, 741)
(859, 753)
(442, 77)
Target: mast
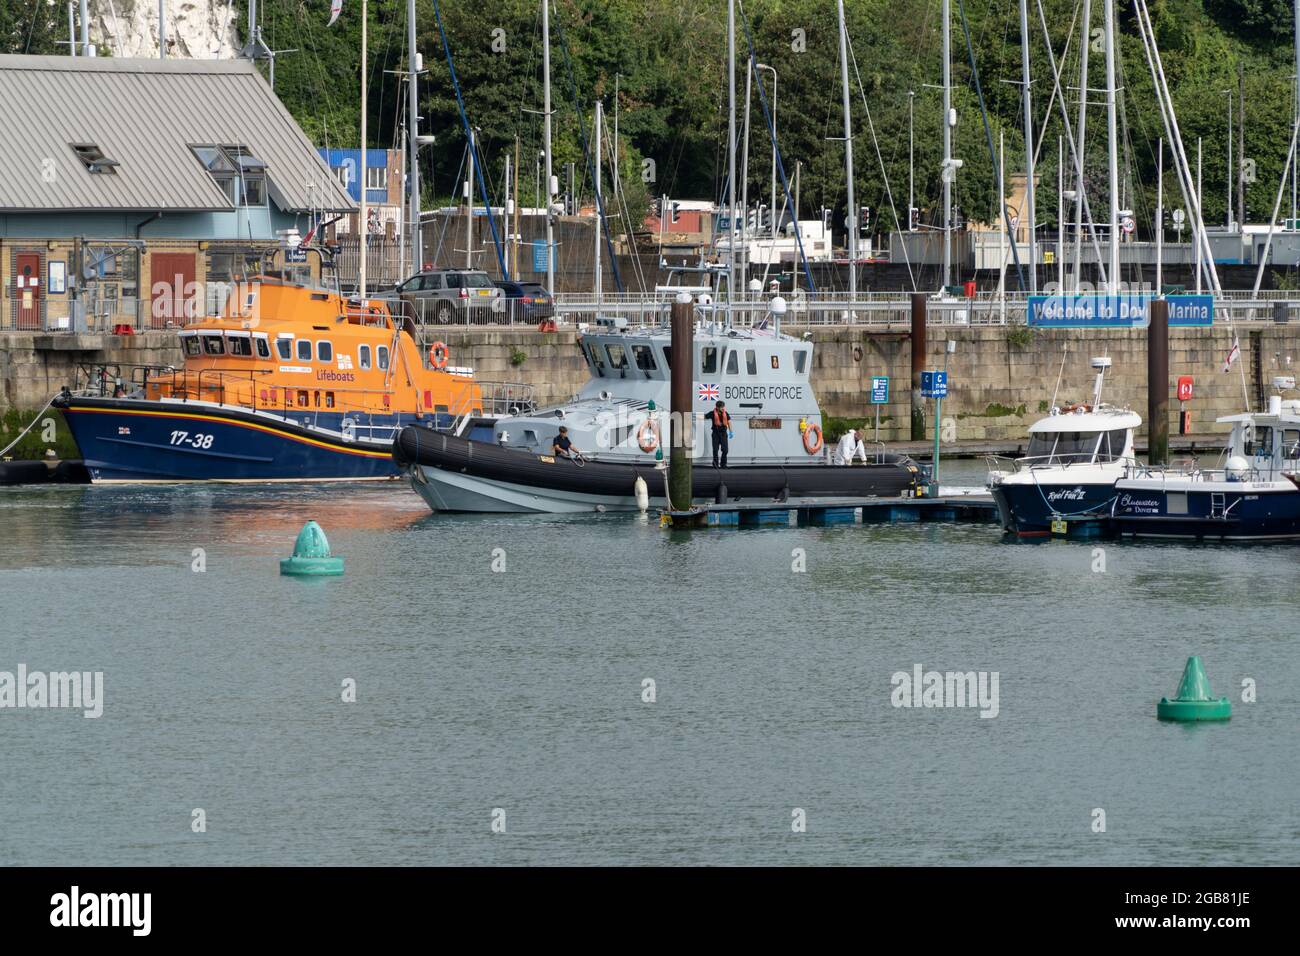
(514, 265)
(1229, 222)
(731, 152)
(948, 171)
(1112, 145)
(1160, 219)
(1295, 170)
(1085, 41)
(162, 29)
(852, 217)
(596, 175)
(546, 132)
(85, 25)
(1029, 145)
(363, 223)
(744, 178)
(413, 137)
(469, 204)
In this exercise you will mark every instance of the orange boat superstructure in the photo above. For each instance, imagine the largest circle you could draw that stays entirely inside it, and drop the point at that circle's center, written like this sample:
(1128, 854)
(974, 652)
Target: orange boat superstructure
(289, 382)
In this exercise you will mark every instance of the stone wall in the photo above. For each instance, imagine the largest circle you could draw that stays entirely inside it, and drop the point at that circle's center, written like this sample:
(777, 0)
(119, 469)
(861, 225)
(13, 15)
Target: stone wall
(1001, 378)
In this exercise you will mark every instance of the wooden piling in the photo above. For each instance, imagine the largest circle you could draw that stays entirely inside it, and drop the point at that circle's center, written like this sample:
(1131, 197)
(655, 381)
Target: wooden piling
(681, 424)
(918, 365)
(1158, 383)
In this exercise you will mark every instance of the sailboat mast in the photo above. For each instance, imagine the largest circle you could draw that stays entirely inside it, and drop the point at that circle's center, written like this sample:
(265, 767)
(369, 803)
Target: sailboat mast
(413, 64)
(947, 143)
(1028, 212)
(546, 128)
(731, 152)
(363, 223)
(596, 158)
(852, 217)
(1084, 42)
(1112, 138)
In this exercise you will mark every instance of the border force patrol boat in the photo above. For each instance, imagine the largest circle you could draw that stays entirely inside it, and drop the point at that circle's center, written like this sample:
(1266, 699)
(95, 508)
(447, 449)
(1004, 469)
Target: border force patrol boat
(1075, 456)
(619, 421)
(290, 383)
(1254, 496)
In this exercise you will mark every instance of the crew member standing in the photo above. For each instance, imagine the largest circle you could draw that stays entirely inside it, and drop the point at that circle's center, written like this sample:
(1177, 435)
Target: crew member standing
(721, 429)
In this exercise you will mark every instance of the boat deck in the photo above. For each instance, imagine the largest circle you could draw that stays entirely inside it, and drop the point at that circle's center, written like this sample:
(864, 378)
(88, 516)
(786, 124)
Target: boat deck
(827, 512)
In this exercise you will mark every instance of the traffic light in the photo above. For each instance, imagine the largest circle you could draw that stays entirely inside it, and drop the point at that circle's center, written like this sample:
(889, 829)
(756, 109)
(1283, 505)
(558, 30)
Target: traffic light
(913, 219)
(677, 207)
(864, 219)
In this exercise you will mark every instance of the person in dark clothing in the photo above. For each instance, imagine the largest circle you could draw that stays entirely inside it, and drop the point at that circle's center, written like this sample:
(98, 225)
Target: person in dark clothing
(720, 427)
(563, 445)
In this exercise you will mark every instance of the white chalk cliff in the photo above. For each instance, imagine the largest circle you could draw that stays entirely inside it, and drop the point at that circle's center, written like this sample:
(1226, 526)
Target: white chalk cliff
(196, 29)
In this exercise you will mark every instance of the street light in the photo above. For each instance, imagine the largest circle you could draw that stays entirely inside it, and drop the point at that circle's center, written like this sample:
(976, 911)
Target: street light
(764, 66)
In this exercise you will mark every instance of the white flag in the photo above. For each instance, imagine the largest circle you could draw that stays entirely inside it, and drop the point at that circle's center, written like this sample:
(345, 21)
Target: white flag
(1232, 354)
(336, 7)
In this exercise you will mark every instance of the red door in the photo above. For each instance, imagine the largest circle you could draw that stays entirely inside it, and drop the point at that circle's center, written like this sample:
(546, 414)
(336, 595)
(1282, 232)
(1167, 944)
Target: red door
(28, 289)
(172, 290)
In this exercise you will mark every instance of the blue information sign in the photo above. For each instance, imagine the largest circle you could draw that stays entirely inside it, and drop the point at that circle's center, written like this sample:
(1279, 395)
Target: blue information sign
(880, 390)
(1191, 309)
(934, 384)
(539, 255)
(1087, 311)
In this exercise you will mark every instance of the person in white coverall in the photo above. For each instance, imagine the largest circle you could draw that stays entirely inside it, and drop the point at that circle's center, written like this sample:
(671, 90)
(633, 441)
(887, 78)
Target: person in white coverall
(850, 446)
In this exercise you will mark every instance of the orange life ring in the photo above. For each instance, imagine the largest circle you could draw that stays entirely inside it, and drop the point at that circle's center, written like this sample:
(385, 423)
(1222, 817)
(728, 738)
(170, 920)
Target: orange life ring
(438, 354)
(647, 436)
(814, 446)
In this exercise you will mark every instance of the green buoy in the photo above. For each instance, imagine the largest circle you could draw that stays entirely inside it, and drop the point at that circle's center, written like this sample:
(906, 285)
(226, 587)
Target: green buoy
(311, 554)
(1194, 700)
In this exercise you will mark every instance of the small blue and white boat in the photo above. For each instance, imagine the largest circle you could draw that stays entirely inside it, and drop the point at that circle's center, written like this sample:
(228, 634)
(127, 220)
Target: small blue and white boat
(1252, 497)
(1068, 474)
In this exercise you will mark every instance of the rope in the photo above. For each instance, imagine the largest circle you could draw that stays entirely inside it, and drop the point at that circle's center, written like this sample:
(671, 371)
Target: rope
(24, 432)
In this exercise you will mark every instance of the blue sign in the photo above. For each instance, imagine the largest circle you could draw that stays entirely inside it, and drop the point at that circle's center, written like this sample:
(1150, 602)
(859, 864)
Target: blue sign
(1191, 309)
(296, 254)
(880, 390)
(1087, 311)
(539, 255)
(934, 384)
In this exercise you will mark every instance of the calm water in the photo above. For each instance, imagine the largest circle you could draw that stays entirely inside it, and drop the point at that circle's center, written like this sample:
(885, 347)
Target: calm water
(521, 690)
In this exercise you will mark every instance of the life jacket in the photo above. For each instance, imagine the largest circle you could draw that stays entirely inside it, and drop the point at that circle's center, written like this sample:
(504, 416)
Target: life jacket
(720, 418)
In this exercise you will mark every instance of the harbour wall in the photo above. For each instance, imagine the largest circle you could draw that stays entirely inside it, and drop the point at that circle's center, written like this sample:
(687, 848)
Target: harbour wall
(1002, 378)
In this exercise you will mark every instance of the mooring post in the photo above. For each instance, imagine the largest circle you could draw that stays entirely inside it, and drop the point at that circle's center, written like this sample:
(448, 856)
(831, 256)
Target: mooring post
(918, 365)
(1158, 383)
(681, 442)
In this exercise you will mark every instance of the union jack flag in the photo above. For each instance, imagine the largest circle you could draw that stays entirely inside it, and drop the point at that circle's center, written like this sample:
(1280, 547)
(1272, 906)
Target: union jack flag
(708, 393)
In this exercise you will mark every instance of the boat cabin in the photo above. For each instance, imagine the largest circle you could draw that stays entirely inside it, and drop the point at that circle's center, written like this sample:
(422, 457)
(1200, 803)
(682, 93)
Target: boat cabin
(1079, 435)
(1264, 444)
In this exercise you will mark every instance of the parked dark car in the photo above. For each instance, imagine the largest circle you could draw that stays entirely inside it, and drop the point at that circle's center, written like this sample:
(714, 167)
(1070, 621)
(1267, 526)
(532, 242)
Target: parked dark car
(526, 301)
(449, 295)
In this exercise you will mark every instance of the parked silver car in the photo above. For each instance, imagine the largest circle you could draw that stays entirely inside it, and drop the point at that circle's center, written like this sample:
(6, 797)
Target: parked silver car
(442, 296)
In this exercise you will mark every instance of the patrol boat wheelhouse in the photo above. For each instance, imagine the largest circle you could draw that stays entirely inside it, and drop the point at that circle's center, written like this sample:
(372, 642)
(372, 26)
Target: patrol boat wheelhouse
(288, 383)
(1075, 456)
(1253, 496)
(619, 420)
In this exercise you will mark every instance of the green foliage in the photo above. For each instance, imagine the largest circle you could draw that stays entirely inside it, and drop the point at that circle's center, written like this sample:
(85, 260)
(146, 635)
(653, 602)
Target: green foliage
(668, 59)
(518, 357)
(1019, 336)
(15, 420)
(33, 26)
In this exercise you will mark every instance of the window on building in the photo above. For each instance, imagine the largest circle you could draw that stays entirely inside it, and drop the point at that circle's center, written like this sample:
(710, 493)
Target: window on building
(363, 356)
(93, 158)
(304, 350)
(376, 177)
(238, 173)
(324, 352)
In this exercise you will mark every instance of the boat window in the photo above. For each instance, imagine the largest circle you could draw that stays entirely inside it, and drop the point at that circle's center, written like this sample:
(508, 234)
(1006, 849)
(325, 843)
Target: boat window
(283, 347)
(709, 359)
(1260, 444)
(302, 397)
(1291, 443)
(668, 357)
(304, 350)
(751, 362)
(263, 348)
(191, 343)
(383, 356)
(800, 361)
(239, 345)
(597, 362)
(1176, 503)
(317, 395)
(645, 358)
(329, 399)
(1072, 447)
(324, 352)
(213, 345)
(733, 363)
(617, 356)
(1112, 444)
(363, 356)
